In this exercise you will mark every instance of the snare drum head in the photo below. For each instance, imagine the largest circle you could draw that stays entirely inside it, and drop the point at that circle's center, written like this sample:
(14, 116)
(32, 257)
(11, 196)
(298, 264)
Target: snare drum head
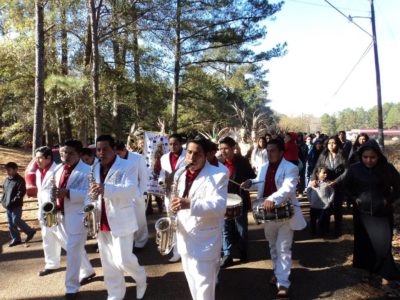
(233, 199)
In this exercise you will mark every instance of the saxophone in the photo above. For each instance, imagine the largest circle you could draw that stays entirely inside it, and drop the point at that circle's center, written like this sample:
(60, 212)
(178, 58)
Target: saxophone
(166, 226)
(49, 208)
(92, 220)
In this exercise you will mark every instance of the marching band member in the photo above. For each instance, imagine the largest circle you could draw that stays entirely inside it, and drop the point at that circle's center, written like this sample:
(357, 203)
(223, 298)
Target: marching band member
(140, 173)
(72, 188)
(281, 179)
(114, 189)
(170, 162)
(239, 171)
(200, 213)
(88, 156)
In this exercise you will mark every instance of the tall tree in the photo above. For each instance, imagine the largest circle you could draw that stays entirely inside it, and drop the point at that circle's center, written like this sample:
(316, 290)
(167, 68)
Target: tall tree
(39, 77)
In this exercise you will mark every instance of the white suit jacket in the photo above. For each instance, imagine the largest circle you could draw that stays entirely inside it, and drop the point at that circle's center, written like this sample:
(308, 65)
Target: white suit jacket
(166, 164)
(119, 187)
(44, 188)
(286, 179)
(78, 183)
(140, 171)
(199, 231)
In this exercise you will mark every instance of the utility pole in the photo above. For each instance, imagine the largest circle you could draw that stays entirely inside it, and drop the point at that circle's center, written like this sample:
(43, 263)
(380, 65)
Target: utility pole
(378, 78)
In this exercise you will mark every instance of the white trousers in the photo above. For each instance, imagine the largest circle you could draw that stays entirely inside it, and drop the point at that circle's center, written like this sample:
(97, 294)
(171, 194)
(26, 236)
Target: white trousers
(201, 276)
(116, 258)
(280, 238)
(78, 263)
(142, 234)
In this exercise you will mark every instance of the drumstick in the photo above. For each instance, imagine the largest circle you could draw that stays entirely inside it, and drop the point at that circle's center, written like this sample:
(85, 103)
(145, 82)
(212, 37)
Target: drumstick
(238, 184)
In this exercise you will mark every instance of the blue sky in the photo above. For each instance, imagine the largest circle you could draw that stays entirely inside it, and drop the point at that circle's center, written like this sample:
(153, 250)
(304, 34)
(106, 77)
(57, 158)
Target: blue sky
(323, 47)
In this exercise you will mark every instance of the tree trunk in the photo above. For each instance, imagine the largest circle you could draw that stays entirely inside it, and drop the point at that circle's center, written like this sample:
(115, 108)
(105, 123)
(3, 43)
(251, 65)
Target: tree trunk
(39, 78)
(175, 92)
(94, 15)
(136, 64)
(64, 70)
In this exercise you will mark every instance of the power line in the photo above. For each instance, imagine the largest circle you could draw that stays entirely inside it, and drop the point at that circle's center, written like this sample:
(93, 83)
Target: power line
(322, 5)
(347, 17)
(354, 67)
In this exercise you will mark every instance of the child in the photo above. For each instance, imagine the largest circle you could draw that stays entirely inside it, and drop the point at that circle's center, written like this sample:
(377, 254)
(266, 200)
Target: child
(12, 200)
(320, 198)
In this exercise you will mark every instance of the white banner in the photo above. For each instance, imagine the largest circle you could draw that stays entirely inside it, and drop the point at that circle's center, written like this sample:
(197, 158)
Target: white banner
(155, 145)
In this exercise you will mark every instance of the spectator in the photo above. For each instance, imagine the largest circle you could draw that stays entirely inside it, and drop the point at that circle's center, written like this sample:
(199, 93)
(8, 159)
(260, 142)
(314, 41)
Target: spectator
(361, 139)
(12, 201)
(346, 144)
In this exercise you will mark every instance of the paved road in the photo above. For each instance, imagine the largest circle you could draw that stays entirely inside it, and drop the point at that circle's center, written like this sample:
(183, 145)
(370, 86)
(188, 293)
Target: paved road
(321, 270)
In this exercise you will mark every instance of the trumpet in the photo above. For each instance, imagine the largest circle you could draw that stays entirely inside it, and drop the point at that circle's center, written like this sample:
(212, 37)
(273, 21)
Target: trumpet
(92, 220)
(166, 226)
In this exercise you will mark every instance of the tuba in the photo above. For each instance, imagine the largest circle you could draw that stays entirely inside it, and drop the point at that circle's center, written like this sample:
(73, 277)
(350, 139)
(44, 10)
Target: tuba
(166, 226)
(49, 208)
(91, 219)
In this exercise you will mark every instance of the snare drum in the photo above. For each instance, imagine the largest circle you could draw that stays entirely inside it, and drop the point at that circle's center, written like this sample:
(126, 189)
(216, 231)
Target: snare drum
(283, 212)
(234, 207)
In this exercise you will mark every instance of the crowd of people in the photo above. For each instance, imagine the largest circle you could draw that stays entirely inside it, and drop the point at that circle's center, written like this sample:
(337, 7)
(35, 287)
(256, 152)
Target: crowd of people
(198, 177)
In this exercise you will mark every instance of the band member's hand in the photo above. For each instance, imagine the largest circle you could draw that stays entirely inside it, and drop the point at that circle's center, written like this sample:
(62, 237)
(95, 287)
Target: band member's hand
(314, 183)
(246, 184)
(95, 190)
(269, 205)
(180, 203)
(61, 193)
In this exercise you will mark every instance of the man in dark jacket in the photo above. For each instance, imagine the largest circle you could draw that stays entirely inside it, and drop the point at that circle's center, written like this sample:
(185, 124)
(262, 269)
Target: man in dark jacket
(240, 170)
(12, 200)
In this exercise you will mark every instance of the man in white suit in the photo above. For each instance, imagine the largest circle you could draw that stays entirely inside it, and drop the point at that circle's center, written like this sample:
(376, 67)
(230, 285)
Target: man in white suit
(44, 175)
(200, 207)
(281, 179)
(114, 189)
(72, 188)
(170, 162)
(140, 172)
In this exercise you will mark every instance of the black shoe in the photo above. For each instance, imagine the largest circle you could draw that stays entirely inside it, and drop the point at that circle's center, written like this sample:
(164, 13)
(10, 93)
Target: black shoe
(243, 257)
(14, 243)
(30, 236)
(226, 261)
(86, 280)
(45, 272)
(71, 296)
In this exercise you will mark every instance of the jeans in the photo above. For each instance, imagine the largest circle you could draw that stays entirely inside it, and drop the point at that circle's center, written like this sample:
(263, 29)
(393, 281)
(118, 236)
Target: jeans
(14, 222)
(235, 228)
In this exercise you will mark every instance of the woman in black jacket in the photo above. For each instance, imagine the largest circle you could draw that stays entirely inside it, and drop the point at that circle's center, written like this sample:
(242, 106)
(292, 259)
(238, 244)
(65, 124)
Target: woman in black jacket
(361, 139)
(373, 184)
(333, 159)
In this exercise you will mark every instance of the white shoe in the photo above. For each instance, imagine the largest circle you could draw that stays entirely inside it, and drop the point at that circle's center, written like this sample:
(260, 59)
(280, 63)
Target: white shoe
(140, 291)
(175, 258)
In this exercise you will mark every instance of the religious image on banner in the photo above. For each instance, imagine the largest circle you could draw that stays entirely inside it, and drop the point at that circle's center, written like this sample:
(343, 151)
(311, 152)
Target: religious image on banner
(155, 146)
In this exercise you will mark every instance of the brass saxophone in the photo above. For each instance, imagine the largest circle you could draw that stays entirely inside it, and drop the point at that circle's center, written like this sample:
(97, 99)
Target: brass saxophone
(49, 208)
(166, 226)
(92, 220)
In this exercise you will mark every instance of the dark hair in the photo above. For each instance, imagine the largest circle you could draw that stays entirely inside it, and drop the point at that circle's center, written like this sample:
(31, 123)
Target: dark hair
(357, 144)
(212, 146)
(202, 142)
(278, 142)
(228, 140)
(176, 136)
(119, 145)
(338, 143)
(262, 138)
(106, 138)
(319, 169)
(268, 134)
(11, 165)
(342, 131)
(46, 151)
(87, 151)
(77, 145)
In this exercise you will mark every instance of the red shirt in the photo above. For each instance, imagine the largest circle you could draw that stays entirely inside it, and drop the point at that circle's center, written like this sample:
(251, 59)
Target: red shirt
(63, 184)
(104, 226)
(174, 160)
(190, 177)
(270, 187)
(230, 164)
(44, 171)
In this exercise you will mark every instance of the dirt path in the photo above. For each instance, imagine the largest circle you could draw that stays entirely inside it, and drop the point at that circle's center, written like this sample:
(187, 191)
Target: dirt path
(321, 269)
